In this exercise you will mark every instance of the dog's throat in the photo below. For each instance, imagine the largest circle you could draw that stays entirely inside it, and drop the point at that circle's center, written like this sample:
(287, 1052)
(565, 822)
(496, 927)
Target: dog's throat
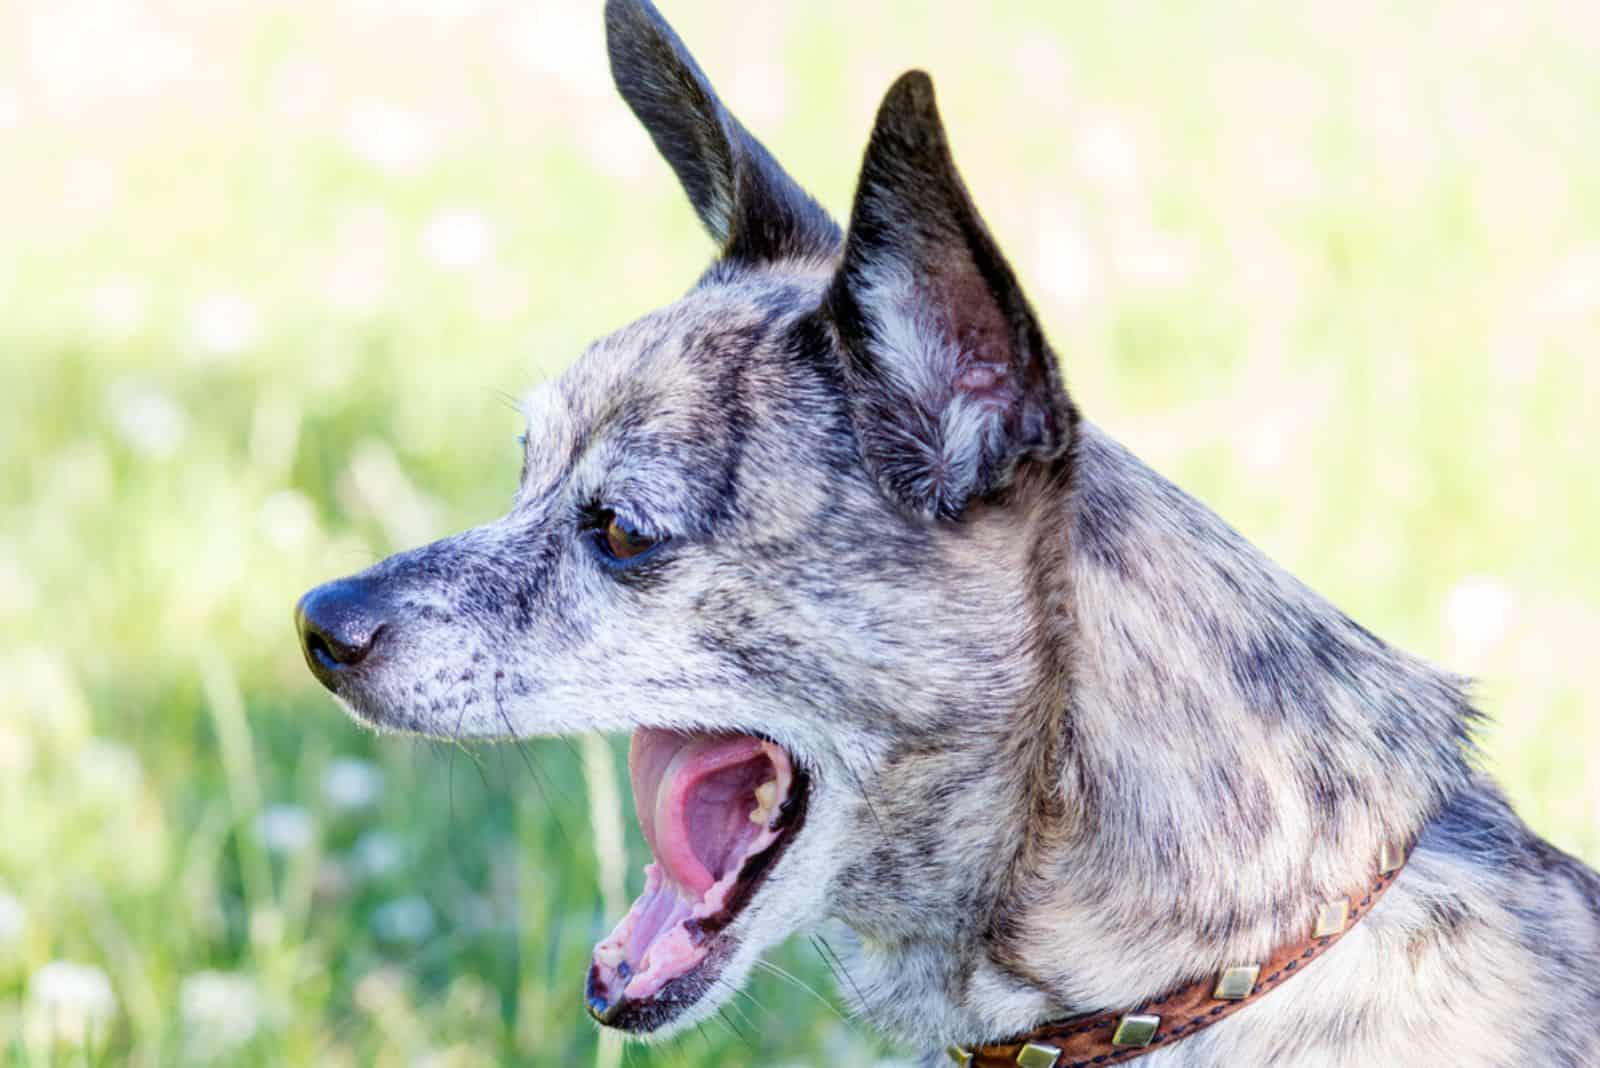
(1115, 1037)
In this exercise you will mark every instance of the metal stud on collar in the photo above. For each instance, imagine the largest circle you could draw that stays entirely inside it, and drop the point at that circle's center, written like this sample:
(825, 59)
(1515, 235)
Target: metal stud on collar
(1136, 1031)
(962, 1057)
(1331, 918)
(1038, 1055)
(1236, 984)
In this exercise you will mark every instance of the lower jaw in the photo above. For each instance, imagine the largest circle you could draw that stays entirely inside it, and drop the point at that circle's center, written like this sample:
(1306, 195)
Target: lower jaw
(675, 999)
(605, 991)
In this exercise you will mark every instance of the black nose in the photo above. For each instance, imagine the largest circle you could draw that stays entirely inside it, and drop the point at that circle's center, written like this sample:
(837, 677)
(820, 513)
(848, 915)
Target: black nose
(340, 624)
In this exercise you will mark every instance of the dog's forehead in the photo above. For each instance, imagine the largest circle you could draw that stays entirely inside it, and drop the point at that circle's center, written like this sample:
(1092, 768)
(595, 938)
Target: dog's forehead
(672, 376)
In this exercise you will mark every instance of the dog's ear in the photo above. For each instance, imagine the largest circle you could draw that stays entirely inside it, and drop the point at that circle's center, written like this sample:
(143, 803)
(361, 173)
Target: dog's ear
(952, 384)
(751, 207)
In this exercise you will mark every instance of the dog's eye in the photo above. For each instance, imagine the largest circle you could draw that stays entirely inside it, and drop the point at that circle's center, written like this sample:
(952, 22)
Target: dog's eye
(622, 540)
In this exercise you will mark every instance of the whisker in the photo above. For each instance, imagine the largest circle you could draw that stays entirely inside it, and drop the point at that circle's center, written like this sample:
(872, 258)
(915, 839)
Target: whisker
(801, 984)
(700, 1029)
(457, 745)
(751, 998)
(861, 788)
(533, 771)
(841, 974)
(735, 1029)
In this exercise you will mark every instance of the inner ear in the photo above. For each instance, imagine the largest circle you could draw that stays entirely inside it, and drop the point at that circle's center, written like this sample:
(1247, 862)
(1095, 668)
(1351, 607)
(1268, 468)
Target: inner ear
(745, 200)
(952, 383)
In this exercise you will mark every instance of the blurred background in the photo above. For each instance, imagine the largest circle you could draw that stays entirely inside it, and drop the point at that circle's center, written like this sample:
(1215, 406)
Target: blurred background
(274, 274)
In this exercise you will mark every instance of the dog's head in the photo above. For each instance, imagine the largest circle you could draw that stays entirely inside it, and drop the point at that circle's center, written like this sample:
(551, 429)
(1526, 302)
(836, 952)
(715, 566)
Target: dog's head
(777, 530)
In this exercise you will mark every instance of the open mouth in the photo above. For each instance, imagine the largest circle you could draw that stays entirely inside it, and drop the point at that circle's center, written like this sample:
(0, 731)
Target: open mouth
(717, 811)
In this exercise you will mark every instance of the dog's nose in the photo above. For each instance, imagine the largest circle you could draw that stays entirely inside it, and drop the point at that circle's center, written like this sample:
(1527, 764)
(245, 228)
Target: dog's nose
(340, 624)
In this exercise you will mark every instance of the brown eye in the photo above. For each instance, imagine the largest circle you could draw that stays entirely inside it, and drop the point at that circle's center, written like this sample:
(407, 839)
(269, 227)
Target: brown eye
(624, 542)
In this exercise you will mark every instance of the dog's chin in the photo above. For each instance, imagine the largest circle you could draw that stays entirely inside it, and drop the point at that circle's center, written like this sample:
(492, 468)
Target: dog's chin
(378, 716)
(718, 811)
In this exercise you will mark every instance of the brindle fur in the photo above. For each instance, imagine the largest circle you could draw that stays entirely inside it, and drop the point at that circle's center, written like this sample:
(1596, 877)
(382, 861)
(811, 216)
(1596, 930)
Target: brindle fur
(1073, 741)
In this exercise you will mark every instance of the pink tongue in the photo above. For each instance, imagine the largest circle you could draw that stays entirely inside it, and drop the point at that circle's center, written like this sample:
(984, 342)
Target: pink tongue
(686, 789)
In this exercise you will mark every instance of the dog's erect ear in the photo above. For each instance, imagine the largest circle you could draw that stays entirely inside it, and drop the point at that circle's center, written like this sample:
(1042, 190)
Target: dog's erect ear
(752, 208)
(952, 384)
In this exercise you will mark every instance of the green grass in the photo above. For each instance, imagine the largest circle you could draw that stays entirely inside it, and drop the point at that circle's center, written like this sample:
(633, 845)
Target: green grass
(270, 273)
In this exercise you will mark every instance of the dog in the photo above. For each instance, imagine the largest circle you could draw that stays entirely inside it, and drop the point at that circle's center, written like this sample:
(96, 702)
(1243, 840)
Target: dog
(904, 641)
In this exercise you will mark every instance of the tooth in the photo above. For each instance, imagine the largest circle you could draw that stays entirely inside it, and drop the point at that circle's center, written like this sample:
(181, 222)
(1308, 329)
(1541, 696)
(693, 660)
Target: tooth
(766, 798)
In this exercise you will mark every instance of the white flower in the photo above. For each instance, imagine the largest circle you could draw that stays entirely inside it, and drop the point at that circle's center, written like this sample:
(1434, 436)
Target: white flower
(288, 520)
(119, 306)
(381, 991)
(69, 1002)
(377, 485)
(359, 273)
(1475, 612)
(223, 325)
(408, 919)
(37, 687)
(395, 142)
(286, 828)
(109, 771)
(16, 753)
(457, 239)
(378, 853)
(1106, 150)
(219, 1009)
(18, 588)
(554, 38)
(349, 784)
(1064, 263)
(13, 919)
(147, 419)
(105, 48)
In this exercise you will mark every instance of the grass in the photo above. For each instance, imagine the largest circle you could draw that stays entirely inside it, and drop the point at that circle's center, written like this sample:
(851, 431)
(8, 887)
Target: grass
(273, 275)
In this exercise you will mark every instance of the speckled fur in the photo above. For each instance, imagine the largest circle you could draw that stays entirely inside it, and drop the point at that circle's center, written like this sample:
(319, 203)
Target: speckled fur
(1073, 740)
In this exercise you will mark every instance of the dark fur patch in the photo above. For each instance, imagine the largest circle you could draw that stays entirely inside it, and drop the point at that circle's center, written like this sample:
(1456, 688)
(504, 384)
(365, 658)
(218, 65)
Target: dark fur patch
(749, 205)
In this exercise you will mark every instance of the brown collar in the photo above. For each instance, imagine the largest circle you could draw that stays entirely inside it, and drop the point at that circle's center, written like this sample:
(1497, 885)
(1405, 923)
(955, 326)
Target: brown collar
(1114, 1037)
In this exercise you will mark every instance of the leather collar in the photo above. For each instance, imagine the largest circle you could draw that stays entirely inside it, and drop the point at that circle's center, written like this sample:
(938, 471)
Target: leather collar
(1114, 1037)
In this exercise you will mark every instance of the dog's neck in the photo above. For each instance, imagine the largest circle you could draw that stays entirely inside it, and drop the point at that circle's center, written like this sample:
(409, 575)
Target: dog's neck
(1226, 749)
